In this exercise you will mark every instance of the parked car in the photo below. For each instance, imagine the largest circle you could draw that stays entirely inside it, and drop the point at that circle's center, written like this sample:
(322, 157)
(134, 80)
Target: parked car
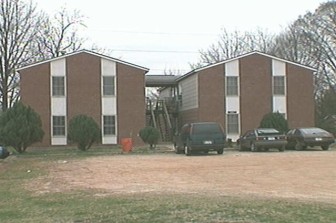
(3, 152)
(301, 138)
(200, 137)
(262, 139)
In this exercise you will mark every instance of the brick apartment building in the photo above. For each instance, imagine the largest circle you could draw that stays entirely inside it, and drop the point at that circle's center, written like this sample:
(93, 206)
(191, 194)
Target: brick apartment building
(109, 90)
(238, 92)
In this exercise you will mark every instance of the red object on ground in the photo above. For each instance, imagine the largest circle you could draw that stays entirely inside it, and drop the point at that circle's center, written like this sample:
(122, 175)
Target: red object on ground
(127, 144)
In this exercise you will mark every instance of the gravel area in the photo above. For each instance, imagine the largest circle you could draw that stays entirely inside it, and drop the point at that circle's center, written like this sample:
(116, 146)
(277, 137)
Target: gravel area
(306, 175)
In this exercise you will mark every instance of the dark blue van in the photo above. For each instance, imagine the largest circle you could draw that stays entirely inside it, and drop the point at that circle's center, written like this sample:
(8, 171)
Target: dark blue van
(200, 137)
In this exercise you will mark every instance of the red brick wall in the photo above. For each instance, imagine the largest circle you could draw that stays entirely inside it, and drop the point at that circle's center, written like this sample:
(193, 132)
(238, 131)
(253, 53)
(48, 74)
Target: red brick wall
(84, 86)
(211, 95)
(35, 92)
(255, 90)
(131, 109)
(300, 91)
(83, 72)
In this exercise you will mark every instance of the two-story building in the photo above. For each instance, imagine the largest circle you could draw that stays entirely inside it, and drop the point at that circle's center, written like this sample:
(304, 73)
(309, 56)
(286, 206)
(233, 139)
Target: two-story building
(238, 92)
(109, 90)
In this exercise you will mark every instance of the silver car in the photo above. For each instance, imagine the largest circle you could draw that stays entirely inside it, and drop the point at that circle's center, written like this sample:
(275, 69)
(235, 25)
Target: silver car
(262, 139)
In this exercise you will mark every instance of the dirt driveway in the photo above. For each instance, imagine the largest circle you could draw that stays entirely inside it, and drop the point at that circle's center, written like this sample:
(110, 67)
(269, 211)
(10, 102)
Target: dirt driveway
(308, 175)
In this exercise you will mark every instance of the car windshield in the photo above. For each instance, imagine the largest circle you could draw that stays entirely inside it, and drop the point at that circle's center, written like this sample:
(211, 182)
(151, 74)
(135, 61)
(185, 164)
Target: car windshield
(206, 128)
(265, 132)
(313, 131)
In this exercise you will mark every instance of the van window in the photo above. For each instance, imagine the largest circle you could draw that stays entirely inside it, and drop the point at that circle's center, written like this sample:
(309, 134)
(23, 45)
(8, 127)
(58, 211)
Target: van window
(185, 132)
(206, 129)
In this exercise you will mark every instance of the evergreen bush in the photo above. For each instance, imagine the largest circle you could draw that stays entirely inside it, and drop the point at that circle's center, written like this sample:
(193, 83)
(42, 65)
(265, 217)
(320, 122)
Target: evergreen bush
(274, 120)
(150, 135)
(83, 131)
(20, 127)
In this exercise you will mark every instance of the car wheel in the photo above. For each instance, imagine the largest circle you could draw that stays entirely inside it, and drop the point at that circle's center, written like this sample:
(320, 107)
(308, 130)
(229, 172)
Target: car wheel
(187, 151)
(282, 149)
(288, 146)
(299, 146)
(220, 151)
(176, 149)
(254, 148)
(325, 147)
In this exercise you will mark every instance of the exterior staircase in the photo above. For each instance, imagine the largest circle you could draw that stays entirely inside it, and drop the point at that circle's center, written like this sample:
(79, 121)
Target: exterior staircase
(161, 114)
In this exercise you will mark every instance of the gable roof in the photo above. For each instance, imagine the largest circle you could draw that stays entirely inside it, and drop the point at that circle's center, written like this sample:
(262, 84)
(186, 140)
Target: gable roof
(88, 52)
(239, 57)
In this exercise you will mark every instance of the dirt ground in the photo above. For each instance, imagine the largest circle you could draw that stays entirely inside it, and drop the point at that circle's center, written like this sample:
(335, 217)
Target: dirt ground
(307, 175)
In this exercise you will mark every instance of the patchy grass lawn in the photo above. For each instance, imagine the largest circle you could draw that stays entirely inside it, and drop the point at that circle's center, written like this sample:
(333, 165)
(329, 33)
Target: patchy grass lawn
(20, 205)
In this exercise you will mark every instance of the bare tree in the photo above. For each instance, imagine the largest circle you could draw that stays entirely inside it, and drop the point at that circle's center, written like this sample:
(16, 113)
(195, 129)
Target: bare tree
(311, 40)
(234, 44)
(60, 34)
(323, 36)
(19, 24)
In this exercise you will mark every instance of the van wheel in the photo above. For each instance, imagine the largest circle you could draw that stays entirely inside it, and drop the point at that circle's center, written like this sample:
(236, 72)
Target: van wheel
(325, 147)
(254, 148)
(187, 150)
(176, 149)
(220, 151)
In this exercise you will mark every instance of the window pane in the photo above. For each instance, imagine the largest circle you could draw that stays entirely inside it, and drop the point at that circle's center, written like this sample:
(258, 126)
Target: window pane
(232, 123)
(109, 125)
(58, 125)
(231, 85)
(58, 86)
(279, 85)
(108, 85)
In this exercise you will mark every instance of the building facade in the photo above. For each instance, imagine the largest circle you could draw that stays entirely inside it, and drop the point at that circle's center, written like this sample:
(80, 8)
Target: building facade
(109, 90)
(238, 92)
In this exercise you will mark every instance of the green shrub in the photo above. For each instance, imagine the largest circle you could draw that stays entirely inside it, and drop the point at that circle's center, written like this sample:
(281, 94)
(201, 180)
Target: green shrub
(150, 135)
(83, 131)
(274, 120)
(20, 127)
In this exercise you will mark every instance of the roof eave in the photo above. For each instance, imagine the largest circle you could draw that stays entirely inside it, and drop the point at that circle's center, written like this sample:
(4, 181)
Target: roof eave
(239, 57)
(84, 51)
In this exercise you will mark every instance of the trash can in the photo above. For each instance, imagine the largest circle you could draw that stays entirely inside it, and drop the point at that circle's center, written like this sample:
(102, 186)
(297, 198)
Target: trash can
(3, 152)
(127, 144)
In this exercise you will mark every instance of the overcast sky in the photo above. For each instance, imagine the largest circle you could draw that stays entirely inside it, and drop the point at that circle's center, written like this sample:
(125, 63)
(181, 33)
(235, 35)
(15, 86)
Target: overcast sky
(162, 34)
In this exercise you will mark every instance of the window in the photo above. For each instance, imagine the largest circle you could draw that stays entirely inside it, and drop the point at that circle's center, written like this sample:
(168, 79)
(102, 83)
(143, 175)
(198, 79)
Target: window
(279, 85)
(232, 86)
(109, 125)
(58, 125)
(58, 86)
(108, 86)
(232, 123)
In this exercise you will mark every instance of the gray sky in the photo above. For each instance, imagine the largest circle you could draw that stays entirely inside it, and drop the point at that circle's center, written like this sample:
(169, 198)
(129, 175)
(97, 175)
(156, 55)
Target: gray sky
(161, 34)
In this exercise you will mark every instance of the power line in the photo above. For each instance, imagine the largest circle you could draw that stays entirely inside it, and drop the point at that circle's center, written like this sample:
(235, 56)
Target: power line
(164, 33)
(156, 51)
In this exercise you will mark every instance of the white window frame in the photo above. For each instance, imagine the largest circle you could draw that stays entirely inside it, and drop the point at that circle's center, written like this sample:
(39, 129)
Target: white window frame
(59, 126)
(108, 88)
(276, 88)
(110, 126)
(230, 88)
(58, 89)
(229, 125)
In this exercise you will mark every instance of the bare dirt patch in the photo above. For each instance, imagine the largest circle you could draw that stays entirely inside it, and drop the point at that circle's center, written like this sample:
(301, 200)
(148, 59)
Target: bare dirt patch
(304, 175)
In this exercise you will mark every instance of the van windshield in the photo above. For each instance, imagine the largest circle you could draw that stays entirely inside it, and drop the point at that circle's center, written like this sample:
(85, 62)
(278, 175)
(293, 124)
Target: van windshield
(206, 129)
